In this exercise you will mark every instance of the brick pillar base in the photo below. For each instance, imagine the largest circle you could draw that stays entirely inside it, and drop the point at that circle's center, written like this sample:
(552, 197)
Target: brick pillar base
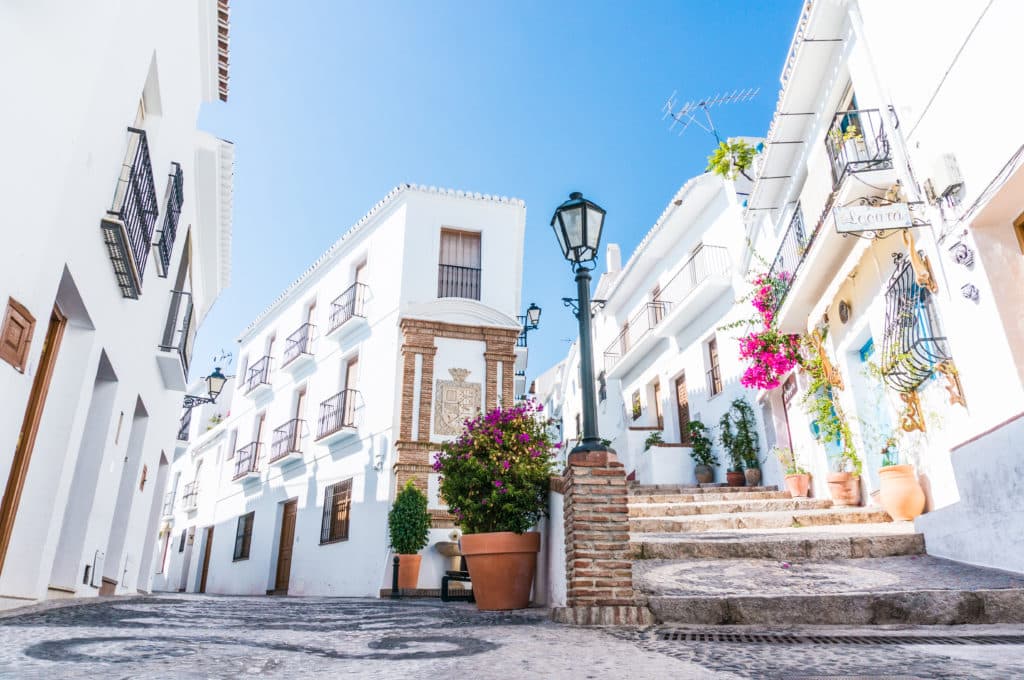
(599, 575)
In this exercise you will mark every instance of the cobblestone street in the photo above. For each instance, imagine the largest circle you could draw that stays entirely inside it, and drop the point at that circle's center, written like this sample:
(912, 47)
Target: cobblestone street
(222, 637)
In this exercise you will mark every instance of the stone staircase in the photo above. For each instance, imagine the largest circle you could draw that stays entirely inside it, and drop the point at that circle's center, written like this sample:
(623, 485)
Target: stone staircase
(713, 554)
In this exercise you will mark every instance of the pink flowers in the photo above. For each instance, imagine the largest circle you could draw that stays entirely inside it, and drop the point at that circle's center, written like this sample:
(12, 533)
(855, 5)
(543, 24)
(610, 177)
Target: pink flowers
(771, 354)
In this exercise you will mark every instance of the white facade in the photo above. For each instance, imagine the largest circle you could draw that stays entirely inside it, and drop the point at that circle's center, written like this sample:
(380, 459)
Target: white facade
(366, 334)
(935, 119)
(84, 479)
(655, 334)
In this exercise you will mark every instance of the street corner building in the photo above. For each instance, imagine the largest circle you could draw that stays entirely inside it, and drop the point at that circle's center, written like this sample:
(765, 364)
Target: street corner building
(346, 385)
(120, 248)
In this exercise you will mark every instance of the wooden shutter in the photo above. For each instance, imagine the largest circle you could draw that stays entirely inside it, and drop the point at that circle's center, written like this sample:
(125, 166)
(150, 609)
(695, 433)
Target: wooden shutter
(325, 524)
(337, 504)
(16, 335)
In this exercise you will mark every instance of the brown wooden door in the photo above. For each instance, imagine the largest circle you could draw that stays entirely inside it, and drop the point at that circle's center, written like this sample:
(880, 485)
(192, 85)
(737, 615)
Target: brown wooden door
(657, 406)
(206, 559)
(29, 429)
(284, 551)
(683, 404)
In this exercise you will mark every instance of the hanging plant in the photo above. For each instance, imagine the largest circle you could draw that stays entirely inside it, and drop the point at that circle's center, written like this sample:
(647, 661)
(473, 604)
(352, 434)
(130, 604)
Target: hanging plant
(769, 353)
(731, 158)
(825, 412)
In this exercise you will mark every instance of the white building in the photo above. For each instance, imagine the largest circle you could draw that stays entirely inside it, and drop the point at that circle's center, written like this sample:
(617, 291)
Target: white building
(120, 246)
(892, 115)
(347, 383)
(661, 357)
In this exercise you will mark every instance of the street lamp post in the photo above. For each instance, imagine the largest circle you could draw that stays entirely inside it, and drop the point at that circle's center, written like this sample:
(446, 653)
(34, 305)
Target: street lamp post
(577, 224)
(214, 385)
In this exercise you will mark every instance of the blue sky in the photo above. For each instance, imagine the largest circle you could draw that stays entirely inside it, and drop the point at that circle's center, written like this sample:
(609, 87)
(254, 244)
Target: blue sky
(334, 103)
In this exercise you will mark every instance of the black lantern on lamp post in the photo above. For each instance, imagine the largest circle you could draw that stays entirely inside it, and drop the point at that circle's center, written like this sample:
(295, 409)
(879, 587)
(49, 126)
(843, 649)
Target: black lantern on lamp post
(532, 317)
(214, 386)
(577, 224)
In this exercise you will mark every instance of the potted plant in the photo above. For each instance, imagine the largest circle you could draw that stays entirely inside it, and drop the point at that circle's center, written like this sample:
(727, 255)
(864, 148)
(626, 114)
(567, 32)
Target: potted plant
(495, 480)
(798, 481)
(899, 491)
(409, 529)
(738, 434)
(653, 439)
(701, 452)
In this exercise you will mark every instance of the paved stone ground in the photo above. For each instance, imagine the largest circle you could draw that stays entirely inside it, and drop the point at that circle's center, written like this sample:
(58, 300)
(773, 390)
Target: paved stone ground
(227, 637)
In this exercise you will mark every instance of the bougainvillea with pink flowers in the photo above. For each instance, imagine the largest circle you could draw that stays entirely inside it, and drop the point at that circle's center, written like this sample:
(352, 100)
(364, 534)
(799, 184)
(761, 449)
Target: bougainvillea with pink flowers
(495, 475)
(770, 354)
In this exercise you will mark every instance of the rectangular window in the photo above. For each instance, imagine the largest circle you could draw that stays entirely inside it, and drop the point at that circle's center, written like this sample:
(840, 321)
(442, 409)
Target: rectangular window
(337, 502)
(714, 373)
(243, 536)
(657, 406)
(637, 408)
(181, 545)
(232, 443)
(458, 273)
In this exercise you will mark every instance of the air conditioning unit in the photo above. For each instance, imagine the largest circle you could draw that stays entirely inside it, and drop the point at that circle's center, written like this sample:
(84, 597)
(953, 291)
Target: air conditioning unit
(945, 176)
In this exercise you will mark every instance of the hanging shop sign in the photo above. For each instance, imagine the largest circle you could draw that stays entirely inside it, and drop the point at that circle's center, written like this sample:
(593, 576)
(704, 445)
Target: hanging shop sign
(856, 219)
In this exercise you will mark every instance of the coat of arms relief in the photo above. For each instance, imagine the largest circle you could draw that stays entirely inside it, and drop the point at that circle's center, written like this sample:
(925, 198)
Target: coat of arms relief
(455, 400)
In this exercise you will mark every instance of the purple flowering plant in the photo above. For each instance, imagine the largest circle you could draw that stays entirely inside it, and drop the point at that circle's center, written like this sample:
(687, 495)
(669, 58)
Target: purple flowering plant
(495, 474)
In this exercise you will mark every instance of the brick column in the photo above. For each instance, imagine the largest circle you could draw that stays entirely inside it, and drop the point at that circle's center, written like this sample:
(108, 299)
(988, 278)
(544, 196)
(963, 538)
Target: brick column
(598, 565)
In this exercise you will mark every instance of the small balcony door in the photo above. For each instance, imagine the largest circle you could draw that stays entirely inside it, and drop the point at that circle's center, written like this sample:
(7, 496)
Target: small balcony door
(283, 573)
(351, 383)
(683, 406)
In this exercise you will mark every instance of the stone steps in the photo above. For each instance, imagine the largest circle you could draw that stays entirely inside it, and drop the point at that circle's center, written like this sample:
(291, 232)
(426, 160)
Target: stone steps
(693, 489)
(717, 507)
(918, 590)
(758, 520)
(816, 543)
(707, 497)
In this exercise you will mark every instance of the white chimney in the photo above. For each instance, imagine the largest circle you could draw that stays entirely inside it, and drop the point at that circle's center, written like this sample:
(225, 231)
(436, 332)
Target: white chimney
(613, 258)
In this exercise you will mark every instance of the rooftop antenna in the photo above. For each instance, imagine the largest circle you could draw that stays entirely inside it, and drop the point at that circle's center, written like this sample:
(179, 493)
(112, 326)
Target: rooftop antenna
(687, 114)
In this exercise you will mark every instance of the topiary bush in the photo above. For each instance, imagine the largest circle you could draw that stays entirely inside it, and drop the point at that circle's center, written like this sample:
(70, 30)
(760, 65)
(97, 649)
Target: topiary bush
(409, 521)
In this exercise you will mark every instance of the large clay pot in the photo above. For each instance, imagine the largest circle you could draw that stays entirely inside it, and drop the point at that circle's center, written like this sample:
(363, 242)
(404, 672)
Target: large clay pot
(501, 567)
(705, 474)
(408, 571)
(797, 485)
(901, 494)
(735, 478)
(753, 476)
(844, 488)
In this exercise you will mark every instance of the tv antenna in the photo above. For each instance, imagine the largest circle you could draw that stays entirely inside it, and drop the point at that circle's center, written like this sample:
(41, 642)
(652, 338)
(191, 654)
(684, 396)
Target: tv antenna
(688, 113)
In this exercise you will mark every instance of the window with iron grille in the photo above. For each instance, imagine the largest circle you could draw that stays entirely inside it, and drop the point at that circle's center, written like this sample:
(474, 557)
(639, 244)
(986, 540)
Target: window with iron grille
(243, 536)
(337, 503)
(172, 211)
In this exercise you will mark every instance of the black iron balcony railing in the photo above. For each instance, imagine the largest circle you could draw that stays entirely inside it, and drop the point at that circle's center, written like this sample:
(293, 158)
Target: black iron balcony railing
(190, 496)
(168, 506)
(180, 331)
(258, 374)
(349, 304)
(790, 255)
(298, 343)
(128, 226)
(247, 459)
(642, 323)
(337, 413)
(184, 424)
(287, 439)
(706, 261)
(714, 380)
(172, 211)
(857, 142)
(455, 281)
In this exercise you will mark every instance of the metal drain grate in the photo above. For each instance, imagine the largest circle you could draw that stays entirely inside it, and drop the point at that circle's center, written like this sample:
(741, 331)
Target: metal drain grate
(842, 639)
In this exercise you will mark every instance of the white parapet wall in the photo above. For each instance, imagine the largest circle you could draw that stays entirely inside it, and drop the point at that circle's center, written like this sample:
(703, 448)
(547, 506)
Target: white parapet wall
(986, 526)
(551, 584)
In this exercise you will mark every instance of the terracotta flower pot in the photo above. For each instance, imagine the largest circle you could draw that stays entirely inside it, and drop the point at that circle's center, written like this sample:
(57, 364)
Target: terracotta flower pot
(705, 474)
(797, 485)
(753, 476)
(408, 571)
(735, 478)
(844, 488)
(901, 494)
(501, 567)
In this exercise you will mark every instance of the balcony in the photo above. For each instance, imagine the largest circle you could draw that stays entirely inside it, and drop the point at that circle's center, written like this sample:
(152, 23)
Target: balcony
(190, 497)
(257, 378)
(857, 142)
(286, 444)
(172, 211)
(459, 282)
(175, 348)
(183, 428)
(298, 347)
(337, 418)
(128, 225)
(696, 284)
(247, 462)
(348, 310)
(167, 509)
